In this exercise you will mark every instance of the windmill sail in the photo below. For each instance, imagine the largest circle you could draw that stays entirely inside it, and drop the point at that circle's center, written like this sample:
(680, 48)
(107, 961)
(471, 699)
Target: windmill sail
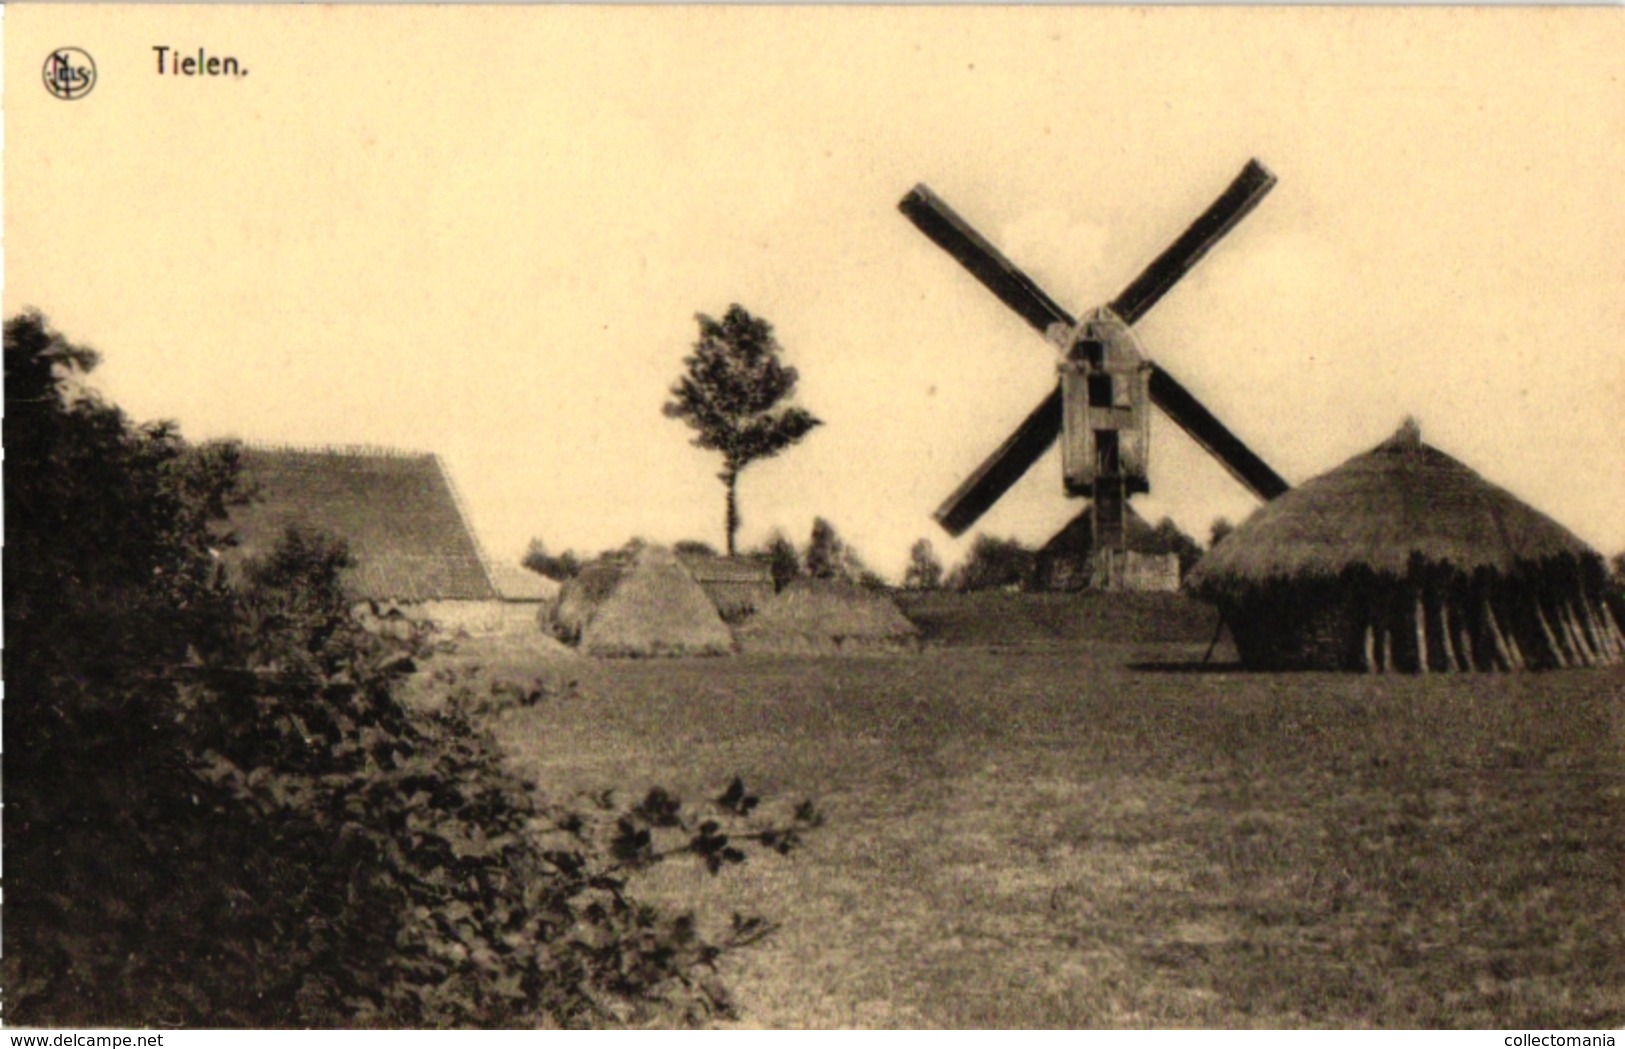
(1003, 468)
(1240, 197)
(1180, 405)
(931, 214)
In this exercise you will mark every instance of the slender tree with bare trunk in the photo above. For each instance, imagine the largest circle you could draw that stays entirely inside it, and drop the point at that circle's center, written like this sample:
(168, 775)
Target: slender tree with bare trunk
(732, 394)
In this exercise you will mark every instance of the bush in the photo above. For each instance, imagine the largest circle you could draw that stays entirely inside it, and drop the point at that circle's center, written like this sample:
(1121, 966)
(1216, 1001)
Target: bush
(562, 568)
(995, 564)
(220, 812)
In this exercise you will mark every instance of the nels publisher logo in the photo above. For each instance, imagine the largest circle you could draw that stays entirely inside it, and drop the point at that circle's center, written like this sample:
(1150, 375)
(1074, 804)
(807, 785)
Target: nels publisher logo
(69, 73)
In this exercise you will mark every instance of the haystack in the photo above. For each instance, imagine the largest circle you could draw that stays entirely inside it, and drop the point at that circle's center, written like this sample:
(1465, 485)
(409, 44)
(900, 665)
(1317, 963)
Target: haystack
(640, 604)
(816, 616)
(1405, 559)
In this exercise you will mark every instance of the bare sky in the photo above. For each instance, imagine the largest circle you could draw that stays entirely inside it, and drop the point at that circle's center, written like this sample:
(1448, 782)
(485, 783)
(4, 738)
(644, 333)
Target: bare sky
(485, 233)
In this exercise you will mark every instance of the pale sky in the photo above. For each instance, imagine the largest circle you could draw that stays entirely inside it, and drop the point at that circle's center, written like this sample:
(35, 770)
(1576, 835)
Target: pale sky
(485, 233)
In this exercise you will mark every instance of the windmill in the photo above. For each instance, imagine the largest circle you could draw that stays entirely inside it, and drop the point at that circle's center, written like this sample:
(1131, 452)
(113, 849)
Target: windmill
(1100, 403)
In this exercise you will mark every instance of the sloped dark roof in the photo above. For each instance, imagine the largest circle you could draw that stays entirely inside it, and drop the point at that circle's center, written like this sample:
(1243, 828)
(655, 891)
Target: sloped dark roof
(1076, 538)
(396, 511)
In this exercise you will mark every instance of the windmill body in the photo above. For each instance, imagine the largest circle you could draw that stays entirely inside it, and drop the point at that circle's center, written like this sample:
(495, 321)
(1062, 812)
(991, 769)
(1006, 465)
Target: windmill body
(1100, 407)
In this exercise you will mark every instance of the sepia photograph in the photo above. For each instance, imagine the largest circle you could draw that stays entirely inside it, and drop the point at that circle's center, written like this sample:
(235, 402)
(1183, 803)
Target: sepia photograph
(814, 517)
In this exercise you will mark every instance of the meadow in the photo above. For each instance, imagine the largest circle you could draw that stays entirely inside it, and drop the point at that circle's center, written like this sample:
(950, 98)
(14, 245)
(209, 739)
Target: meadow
(1057, 816)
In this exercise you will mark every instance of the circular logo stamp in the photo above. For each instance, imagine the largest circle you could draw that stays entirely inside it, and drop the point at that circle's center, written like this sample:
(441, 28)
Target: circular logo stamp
(69, 73)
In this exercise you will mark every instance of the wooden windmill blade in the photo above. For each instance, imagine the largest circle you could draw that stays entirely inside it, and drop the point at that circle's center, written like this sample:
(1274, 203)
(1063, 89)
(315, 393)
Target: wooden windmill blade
(1240, 197)
(989, 481)
(932, 215)
(1180, 405)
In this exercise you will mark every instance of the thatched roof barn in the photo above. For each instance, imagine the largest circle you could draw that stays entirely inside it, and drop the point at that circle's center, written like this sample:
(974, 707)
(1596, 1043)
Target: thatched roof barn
(738, 586)
(1405, 559)
(817, 616)
(396, 511)
(642, 603)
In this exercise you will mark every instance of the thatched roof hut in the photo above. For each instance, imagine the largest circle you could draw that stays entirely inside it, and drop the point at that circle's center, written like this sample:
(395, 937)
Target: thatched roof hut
(816, 616)
(1405, 559)
(642, 603)
(738, 586)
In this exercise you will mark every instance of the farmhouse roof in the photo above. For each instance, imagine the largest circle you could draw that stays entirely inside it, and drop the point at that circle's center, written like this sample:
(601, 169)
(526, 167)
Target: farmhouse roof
(1403, 497)
(396, 511)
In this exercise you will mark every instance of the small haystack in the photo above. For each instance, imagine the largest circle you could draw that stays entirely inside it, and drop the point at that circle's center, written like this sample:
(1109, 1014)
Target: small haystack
(640, 604)
(817, 616)
(1405, 559)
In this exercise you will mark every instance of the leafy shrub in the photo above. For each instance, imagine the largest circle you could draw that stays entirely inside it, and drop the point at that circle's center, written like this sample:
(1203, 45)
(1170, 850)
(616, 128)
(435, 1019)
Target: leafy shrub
(995, 564)
(222, 813)
(561, 567)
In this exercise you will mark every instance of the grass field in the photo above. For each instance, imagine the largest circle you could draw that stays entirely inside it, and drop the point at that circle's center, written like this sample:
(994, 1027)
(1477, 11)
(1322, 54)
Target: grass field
(1031, 828)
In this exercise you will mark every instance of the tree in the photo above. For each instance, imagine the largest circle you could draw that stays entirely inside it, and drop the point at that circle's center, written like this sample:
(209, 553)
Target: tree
(1216, 531)
(562, 567)
(1168, 538)
(826, 553)
(782, 559)
(732, 395)
(995, 564)
(924, 570)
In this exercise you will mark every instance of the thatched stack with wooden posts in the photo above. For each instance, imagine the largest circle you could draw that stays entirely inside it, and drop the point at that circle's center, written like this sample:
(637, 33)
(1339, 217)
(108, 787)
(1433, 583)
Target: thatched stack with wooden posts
(1405, 559)
(826, 616)
(640, 603)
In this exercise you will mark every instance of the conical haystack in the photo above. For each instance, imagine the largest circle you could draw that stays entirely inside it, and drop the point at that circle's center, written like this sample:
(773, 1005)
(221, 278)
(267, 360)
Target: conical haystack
(1405, 559)
(817, 616)
(643, 605)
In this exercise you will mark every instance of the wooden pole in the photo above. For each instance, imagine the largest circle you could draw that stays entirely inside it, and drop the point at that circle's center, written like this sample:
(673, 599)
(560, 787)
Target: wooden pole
(1371, 649)
(1450, 663)
(1551, 639)
(1518, 658)
(1577, 636)
(1610, 624)
(1495, 635)
(1421, 636)
(1211, 645)
(1465, 636)
(1500, 640)
(1607, 651)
